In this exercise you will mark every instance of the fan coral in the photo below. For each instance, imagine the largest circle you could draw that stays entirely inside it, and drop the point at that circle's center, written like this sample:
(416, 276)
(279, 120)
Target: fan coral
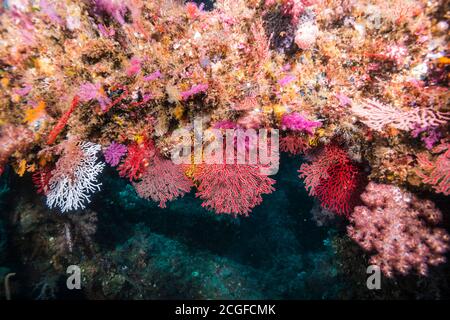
(231, 188)
(74, 177)
(377, 115)
(333, 179)
(114, 153)
(163, 181)
(295, 121)
(41, 180)
(398, 228)
(294, 144)
(137, 160)
(437, 173)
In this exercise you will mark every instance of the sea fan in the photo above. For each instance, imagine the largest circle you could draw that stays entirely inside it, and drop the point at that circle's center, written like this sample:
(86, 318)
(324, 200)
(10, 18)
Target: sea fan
(75, 177)
(163, 181)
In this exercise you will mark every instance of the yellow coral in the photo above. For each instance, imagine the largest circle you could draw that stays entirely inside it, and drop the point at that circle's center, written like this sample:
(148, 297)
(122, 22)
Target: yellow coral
(35, 113)
(4, 82)
(178, 112)
(20, 170)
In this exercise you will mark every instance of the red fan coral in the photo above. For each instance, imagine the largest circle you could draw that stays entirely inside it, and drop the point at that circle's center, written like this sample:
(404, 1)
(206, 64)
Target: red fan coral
(294, 144)
(163, 181)
(41, 180)
(137, 160)
(231, 188)
(333, 179)
(397, 227)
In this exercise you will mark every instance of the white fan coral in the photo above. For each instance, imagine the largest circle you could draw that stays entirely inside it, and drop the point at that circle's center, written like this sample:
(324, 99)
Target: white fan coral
(75, 177)
(377, 115)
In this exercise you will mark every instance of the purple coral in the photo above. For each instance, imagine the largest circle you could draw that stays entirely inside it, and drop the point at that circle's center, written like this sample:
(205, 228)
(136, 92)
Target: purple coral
(114, 153)
(153, 76)
(296, 122)
(90, 91)
(113, 8)
(194, 90)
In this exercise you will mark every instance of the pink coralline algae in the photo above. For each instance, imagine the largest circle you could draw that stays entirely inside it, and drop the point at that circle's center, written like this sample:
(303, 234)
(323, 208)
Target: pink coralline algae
(399, 230)
(198, 88)
(48, 8)
(114, 153)
(429, 136)
(296, 122)
(163, 181)
(292, 8)
(231, 188)
(436, 173)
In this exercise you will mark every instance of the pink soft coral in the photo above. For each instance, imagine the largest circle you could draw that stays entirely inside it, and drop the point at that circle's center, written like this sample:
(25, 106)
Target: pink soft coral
(398, 229)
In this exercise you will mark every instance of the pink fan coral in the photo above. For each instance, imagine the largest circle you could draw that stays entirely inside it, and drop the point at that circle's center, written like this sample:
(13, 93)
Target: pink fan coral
(75, 176)
(231, 188)
(398, 229)
(377, 115)
(163, 181)
(436, 173)
(294, 144)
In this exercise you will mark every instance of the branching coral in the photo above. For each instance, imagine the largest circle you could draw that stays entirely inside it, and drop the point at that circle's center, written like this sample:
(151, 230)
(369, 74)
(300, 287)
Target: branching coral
(436, 173)
(377, 115)
(137, 160)
(163, 181)
(399, 230)
(333, 179)
(231, 188)
(114, 153)
(75, 176)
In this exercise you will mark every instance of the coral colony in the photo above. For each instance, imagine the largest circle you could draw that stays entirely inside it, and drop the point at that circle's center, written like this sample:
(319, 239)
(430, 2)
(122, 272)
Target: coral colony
(357, 89)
